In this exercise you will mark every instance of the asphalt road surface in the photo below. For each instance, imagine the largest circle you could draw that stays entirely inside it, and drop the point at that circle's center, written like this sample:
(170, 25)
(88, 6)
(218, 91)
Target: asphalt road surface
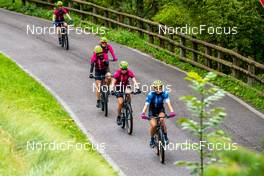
(66, 73)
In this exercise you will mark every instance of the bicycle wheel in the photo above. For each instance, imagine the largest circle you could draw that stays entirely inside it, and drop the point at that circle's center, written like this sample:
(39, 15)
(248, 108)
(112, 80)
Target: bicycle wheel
(161, 146)
(102, 101)
(66, 42)
(156, 139)
(123, 117)
(106, 104)
(129, 119)
(62, 40)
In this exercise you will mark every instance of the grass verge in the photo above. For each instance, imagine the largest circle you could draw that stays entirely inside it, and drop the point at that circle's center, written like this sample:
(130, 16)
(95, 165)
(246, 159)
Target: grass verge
(251, 95)
(29, 114)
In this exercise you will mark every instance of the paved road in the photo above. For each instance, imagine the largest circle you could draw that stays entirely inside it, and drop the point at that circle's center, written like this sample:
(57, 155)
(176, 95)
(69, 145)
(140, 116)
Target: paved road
(66, 73)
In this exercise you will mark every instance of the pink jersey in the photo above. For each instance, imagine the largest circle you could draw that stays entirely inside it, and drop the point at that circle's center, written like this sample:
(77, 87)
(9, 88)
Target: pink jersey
(99, 64)
(59, 13)
(107, 48)
(123, 78)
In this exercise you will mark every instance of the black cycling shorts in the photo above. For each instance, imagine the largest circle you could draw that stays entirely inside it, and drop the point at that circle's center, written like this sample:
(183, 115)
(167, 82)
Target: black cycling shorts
(154, 112)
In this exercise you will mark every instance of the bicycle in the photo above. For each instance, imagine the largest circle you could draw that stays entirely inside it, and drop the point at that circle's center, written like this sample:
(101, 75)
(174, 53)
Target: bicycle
(104, 94)
(159, 140)
(64, 43)
(127, 112)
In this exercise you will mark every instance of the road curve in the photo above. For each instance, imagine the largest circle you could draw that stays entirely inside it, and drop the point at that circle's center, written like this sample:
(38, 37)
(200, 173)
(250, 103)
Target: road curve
(66, 73)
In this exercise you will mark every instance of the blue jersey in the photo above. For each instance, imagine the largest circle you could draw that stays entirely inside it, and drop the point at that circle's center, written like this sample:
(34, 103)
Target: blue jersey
(155, 100)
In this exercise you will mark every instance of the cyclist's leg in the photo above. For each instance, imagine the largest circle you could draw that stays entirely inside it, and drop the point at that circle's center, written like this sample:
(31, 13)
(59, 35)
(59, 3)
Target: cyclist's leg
(163, 124)
(119, 105)
(153, 124)
(98, 83)
(152, 131)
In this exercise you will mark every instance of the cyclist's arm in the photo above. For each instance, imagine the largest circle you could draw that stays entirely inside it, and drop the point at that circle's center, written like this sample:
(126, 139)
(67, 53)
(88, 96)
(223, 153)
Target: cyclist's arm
(135, 83)
(92, 67)
(53, 17)
(170, 106)
(148, 100)
(168, 102)
(68, 16)
(112, 52)
(145, 108)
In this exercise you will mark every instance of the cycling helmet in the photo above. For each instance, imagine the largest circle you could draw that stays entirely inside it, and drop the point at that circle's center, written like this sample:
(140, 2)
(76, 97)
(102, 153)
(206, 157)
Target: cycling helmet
(157, 83)
(98, 49)
(103, 39)
(59, 3)
(123, 65)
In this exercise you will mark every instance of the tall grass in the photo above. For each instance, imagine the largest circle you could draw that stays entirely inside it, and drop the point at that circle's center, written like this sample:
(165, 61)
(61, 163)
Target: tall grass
(28, 113)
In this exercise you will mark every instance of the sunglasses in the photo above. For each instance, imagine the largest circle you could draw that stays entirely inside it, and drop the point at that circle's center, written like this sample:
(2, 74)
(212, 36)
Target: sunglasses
(104, 43)
(123, 69)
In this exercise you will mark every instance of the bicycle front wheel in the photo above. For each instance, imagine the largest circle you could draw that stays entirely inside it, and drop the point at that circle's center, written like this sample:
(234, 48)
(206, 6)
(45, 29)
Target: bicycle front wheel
(161, 146)
(129, 119)
(106, 104)
(66, 42)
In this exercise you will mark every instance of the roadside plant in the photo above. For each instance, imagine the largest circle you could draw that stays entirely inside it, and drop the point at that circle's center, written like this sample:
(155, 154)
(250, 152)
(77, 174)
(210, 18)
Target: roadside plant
(205, 121)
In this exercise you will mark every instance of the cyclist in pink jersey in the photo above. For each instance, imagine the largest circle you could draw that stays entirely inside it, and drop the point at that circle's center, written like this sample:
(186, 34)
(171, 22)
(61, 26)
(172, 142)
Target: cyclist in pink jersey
(121, 84)
(100, 62)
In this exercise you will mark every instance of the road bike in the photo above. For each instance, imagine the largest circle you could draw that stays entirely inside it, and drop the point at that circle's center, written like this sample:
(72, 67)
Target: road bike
(104, 94)
(64, 41)
(127, 112)
(159, 140)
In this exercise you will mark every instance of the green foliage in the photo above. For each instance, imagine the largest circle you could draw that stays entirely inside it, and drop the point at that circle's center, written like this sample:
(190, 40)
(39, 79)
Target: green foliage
(246, 15)
(206, 129)
(237, 163)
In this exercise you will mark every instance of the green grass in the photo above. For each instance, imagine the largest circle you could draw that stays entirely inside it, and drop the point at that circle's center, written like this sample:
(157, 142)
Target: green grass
(248, 93)
(29, 113)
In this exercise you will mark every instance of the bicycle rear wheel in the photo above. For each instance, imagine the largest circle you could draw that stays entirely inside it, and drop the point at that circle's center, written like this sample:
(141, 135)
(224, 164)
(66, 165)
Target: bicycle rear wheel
(129, 119)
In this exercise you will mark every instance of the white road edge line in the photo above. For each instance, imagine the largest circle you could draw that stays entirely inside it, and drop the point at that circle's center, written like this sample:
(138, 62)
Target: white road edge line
(75, 118)
(258, 113)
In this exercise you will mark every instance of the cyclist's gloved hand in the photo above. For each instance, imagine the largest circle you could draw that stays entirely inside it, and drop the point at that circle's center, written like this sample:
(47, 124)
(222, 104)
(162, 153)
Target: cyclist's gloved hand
(115, 59)
(143, 116)
(91, 76)
(172, 114)
(71, 21)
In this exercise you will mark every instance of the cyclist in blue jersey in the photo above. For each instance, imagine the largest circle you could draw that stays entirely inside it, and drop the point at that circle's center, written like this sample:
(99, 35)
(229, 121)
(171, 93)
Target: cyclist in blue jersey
(155, 101)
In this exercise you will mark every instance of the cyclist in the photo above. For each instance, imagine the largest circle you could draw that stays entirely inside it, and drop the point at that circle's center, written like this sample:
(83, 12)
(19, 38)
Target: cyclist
(107, 47)
(121, 84)
(155, 101)
(58, 18)
(101, 63)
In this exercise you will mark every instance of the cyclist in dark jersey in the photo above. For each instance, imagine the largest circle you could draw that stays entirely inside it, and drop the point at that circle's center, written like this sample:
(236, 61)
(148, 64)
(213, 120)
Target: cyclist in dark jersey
(58, 18)
(100, 62)
(155, 101)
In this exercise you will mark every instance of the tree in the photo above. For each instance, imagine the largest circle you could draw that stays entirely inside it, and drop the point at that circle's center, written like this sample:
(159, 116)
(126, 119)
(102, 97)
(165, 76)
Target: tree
(206, 128)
